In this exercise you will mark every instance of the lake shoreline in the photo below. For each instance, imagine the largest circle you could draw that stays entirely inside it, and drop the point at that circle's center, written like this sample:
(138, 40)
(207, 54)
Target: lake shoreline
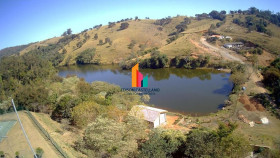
(181, 89)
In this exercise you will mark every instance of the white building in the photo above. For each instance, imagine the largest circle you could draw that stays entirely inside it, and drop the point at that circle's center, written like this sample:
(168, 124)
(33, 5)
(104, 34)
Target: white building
(234, 45)
(154, 116)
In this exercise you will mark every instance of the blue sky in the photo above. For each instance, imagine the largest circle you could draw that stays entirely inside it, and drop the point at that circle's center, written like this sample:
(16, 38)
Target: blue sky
(25, 21)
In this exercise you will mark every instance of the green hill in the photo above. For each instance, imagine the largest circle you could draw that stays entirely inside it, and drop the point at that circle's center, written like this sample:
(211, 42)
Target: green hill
(114, 45)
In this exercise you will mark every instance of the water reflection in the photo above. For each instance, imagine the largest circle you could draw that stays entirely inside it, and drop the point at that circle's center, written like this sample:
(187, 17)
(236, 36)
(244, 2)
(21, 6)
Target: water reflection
(181, 90)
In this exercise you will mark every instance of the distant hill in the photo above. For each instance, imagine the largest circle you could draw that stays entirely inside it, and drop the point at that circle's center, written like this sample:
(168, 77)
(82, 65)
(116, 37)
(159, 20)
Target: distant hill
(173, 36)
(12, 50)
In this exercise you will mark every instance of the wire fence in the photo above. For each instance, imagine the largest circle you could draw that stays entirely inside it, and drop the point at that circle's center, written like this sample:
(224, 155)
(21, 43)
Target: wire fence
(58, 148)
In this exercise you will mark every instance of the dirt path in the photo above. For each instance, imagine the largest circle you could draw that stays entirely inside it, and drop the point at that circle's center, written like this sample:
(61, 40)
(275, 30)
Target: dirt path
(220, 51)
(170, 123)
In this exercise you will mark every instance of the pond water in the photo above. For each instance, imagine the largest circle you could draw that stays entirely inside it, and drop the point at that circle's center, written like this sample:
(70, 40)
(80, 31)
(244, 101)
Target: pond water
(196, 92)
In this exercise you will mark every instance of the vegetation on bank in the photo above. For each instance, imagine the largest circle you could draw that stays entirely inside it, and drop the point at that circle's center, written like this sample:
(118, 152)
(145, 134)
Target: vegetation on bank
(104, 108)
(158, 60)
(109, 138)
(271, 80)
(93, 107)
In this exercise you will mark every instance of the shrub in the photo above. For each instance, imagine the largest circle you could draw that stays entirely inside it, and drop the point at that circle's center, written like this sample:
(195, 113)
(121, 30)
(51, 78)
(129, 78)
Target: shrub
(2, 154)
(132, 44)
(100, 42)
(17, 154)
(156, 61)
(39, 152)
(111, 24)
(238, 78)
(107, 40)
(163, 21)
(86, 56)
(96, 36)
(85, 112)
(163, 143)
(109, 138)
(79, 44)
(124, 26)
(64, 106)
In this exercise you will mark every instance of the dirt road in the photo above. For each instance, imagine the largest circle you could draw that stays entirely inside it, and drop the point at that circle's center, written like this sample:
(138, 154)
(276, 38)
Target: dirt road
(220, 51)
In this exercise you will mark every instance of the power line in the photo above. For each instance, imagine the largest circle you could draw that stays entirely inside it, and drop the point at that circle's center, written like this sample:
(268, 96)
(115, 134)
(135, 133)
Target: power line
(23, 130)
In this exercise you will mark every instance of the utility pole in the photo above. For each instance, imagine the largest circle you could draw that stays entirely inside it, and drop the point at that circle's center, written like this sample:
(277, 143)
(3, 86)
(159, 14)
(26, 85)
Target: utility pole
(35, 156)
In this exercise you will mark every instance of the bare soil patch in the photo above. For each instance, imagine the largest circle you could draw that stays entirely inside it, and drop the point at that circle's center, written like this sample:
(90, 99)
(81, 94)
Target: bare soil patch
(251, 104)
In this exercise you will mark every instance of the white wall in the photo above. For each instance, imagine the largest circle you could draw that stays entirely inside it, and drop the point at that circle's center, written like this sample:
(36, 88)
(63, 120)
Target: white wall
(162, 118)
(156, 122)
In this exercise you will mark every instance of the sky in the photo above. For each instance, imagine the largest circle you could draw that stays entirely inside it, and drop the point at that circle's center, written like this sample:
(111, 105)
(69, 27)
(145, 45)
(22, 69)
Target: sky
(25, 21)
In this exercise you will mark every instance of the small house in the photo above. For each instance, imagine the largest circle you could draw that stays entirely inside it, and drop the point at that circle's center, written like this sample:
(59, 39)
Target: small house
(154, 116)
(234, 45)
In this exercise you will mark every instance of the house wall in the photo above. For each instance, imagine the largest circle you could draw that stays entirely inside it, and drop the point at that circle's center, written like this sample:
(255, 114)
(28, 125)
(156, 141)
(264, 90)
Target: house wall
(228, 46)
(162, 118)
(156, 122)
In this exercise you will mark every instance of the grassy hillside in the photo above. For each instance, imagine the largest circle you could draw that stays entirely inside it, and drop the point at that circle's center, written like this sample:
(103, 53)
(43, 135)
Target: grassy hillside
(146, 35)
(12, 50)
(271, 44)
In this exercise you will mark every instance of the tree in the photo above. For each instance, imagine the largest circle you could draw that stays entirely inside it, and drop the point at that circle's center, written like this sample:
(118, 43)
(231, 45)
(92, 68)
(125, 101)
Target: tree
(85, 113)
(2, 154)
(64, 33)
(17, 154)
(236, 21)
(253, 10)
(111, 24)
(39, 152)
(238, 78)
(216, 15)
(32, 96)
(223, 12)
(136, 18)
(96, 36)
(69, 31)
(239, 11)
(100, 42)
(64, 107)
(163, 143)
(86, 56)
(124, 25)
(106, 137)
(107, 40)
(218, 143)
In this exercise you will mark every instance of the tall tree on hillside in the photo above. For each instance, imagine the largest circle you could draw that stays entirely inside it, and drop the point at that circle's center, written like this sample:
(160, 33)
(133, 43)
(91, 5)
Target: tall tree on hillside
(64, 33)
(223, 12)
(136, 18)
(69, 31)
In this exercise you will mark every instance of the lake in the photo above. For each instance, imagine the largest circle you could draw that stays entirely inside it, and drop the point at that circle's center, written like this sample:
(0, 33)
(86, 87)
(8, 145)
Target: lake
(196, 92)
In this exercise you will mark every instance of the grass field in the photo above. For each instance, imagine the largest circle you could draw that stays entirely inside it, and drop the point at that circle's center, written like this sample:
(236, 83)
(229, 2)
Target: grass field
(63, 137)
(16, 141)
(5, 126)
